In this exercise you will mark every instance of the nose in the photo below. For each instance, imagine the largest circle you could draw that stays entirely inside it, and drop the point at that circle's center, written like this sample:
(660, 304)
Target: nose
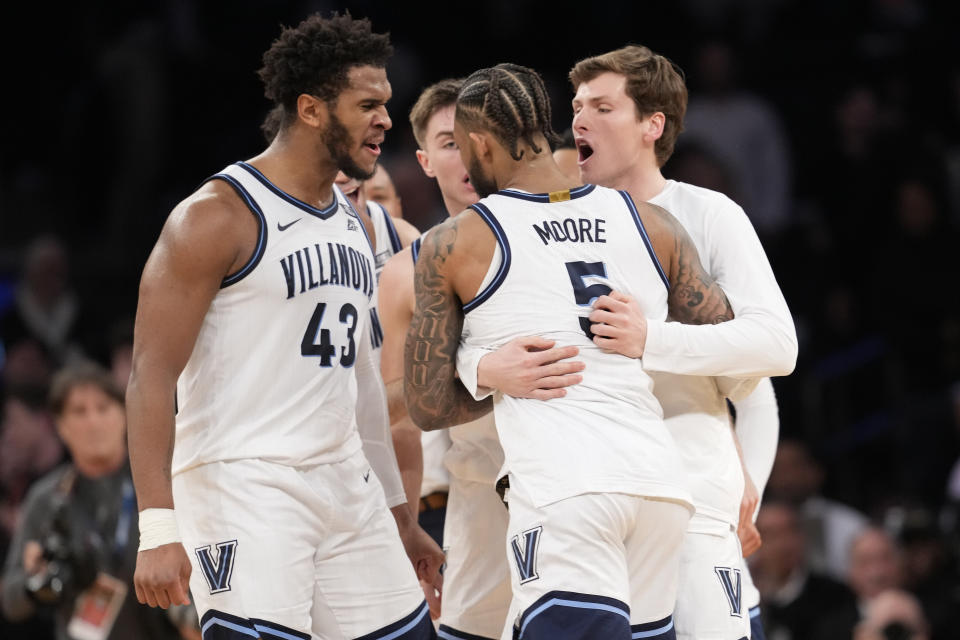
(580, 120)
(383, 119)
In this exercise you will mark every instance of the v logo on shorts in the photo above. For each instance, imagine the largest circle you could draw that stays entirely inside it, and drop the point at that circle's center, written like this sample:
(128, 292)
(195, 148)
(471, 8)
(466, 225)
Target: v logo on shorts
(217, 573)
(730, 581)
(527, 556)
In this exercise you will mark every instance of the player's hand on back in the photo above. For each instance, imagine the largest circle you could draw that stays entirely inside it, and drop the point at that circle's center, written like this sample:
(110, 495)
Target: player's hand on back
(619, 325)
(530, 367)
(162, 576)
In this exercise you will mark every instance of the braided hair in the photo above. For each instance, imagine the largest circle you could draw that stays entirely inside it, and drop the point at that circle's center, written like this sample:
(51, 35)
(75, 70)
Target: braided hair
(512, 102)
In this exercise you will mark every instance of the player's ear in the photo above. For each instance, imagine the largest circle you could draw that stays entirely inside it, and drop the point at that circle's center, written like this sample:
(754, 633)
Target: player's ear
(313, 111)
(481, 144)
(424, 159)
(654, 126)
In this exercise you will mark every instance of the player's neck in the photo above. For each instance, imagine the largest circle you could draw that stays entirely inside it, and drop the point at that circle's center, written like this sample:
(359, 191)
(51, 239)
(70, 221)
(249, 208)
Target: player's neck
(642, 182)
(294, 165)
(538, 174)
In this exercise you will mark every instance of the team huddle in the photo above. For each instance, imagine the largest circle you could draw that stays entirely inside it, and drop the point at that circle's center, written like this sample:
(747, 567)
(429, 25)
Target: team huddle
(580, 335)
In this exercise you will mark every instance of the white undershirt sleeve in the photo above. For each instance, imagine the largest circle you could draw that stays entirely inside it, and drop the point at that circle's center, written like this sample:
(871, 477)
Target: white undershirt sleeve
(373, 423)
(760, 341)
(468, 360)
(758, 428)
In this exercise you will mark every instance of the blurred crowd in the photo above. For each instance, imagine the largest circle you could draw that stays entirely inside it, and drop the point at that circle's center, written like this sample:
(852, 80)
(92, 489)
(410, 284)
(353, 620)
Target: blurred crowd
(835, 125)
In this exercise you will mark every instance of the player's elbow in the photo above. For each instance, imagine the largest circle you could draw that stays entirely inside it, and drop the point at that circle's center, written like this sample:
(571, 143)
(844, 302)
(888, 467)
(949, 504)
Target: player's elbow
(782, 354)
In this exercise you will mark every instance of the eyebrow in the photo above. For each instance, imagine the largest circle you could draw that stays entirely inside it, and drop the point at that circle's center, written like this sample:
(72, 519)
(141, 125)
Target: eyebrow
(440, 134)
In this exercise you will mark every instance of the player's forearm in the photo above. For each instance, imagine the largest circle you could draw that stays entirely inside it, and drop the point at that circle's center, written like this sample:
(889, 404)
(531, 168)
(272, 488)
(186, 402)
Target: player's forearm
(757, 430)
(396, 404)
(150, 438)
(754, 344)
(373, 423)
(409, 450)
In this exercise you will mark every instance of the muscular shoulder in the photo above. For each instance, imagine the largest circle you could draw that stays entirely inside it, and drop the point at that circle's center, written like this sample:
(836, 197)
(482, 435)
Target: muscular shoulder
(209, 230)
(460, 249)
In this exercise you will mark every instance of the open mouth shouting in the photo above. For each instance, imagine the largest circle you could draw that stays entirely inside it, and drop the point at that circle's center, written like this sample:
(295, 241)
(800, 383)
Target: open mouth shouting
(584, 151)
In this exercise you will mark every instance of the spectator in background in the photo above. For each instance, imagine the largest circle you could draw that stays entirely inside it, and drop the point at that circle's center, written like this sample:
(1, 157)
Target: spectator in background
(893, 615)
(794, 598)
(45, 308)
(874, 568)
(380, 189)
(745, 133)
(29, 448)
(830, 526)
(929, 569)
(75, 547)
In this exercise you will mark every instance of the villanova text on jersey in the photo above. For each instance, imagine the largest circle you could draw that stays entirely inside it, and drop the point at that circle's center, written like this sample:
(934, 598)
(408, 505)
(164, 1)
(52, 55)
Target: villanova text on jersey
(335, 264)
(570, 230)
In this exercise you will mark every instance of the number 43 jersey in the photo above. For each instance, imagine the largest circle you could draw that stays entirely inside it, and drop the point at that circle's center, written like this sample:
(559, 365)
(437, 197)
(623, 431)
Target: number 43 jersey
(271, 374)
(558, 252)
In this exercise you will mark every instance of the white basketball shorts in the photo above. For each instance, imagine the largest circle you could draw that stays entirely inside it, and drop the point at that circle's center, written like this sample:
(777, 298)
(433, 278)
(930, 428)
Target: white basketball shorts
(288, 552)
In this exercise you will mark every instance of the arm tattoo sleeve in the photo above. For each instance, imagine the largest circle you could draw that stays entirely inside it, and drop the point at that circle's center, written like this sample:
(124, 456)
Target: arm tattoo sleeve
(435, 398)
(695, 297)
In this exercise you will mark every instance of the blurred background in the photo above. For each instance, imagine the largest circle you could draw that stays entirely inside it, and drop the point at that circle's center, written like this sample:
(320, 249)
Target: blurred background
(835, 124)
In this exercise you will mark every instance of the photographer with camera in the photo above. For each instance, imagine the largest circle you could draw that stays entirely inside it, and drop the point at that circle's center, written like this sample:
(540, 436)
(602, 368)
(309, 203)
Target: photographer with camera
(75, 547)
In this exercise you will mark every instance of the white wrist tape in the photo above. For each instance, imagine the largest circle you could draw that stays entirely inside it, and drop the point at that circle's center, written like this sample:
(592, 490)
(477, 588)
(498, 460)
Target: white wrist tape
(157, 528)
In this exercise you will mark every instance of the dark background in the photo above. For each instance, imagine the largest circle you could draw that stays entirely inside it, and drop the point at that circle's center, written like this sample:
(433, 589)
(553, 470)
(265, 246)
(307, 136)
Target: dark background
(114, 111)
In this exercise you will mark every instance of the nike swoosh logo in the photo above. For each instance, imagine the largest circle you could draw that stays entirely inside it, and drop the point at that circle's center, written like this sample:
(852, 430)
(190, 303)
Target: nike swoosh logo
(284, 227)
(366, 476)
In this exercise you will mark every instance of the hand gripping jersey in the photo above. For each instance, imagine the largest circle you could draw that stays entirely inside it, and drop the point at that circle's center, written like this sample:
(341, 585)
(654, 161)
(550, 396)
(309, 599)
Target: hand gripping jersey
(270, 374)
(559, 252)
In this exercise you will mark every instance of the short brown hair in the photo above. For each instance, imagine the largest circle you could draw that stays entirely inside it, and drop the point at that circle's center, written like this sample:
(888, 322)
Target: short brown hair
(654, 83)
(435, 97)
(78, 375)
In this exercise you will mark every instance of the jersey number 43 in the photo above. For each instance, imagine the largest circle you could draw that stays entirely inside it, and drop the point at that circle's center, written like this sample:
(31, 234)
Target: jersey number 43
(325, 348)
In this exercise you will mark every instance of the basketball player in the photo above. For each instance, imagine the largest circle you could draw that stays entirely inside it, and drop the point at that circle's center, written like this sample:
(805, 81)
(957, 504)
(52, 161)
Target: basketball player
(597, 501)
(628, 111)
(476, 581)
(282, 470)
(380, 189)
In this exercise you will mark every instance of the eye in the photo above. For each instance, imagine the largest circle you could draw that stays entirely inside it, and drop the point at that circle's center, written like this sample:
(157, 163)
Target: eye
(451, 145)
(604, 109)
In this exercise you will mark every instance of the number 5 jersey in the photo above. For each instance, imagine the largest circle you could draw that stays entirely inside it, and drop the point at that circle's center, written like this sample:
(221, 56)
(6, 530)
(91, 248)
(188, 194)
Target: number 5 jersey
(270, 375)
(556, 254)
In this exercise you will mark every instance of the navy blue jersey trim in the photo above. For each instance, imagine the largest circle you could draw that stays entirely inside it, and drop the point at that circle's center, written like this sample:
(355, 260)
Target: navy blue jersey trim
(449, 633)
(323, 214)
(654, 629)
(415, 249)
(575, 193)
(572, 599)
(238, 627)
(261, 233)
(646, 238)
(391, 230)
(400, 627)
(498, 279)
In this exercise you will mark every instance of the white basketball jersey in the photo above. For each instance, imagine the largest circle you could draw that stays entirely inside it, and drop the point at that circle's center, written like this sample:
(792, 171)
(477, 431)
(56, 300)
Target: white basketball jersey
(387, 244)
(560, 252)
(694, 409)
(270, 375)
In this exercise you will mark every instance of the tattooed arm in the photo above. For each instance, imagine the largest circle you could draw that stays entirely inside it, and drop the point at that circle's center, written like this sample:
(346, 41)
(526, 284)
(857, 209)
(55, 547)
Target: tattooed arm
(435, 398)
